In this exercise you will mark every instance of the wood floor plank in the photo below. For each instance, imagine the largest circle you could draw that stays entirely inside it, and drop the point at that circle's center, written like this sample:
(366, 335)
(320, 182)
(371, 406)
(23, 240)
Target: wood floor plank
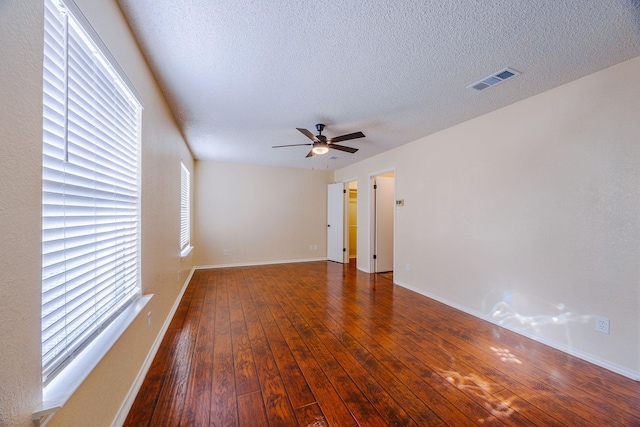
(324, 365)
(246, 376)
(616, 389)
(295, 383)
(251, 410)
(387, 376)
(321, 343)
(420, 387)
(335, 411)
(197, 407)
(276, 401)
(224, 410)
(427, 387)
(144, 404)
(375, 392)
(171, 398)
(311, 416)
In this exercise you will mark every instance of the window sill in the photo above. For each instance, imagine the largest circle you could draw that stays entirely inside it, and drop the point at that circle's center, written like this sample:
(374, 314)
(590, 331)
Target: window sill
(186, 251)
(62, 387)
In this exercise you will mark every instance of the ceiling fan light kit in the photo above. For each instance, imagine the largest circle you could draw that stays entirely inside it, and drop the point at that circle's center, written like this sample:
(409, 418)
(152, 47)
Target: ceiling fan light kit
(321, 143)
(320, 149)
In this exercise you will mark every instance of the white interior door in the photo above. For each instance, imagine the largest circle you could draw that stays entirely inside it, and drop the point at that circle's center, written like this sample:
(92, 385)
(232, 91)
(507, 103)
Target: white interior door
(335, 223)
(385, 208)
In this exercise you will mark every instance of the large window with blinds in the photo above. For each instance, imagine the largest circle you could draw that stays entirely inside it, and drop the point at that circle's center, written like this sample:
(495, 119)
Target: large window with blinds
(90, 196)
(185, 212)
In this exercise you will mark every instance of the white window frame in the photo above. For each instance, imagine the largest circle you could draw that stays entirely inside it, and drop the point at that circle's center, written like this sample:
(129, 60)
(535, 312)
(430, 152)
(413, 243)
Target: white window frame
(91, 203)
(185, 211)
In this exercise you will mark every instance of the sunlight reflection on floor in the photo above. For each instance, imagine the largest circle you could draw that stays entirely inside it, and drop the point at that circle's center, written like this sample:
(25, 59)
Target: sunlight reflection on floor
(505, 355)
(319, 422)
(483, 391)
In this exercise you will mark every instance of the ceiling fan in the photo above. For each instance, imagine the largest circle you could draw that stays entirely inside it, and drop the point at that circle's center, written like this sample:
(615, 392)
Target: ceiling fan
(321, 143)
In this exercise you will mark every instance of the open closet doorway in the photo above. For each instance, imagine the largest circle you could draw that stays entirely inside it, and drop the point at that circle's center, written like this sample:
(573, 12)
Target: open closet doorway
(383, 208)
(352, 222)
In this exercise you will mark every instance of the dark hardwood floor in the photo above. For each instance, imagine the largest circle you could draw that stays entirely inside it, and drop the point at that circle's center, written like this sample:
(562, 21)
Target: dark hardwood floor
(317, 344)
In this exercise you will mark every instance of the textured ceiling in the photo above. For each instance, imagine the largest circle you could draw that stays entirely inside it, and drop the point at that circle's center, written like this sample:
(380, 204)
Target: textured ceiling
(241, 75)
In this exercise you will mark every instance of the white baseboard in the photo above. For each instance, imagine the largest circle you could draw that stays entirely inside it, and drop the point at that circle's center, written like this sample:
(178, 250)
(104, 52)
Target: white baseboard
(142, 373)
(629, 373)
(249, 264)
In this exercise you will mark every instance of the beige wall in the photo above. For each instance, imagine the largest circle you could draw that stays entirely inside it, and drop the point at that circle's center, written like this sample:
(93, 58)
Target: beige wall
(100, 397)
(531, 212)
(20, 208)
(259, 213)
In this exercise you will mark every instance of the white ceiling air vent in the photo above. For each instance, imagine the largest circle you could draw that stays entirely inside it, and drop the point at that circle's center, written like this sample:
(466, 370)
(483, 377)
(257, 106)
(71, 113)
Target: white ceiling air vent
(494, 79)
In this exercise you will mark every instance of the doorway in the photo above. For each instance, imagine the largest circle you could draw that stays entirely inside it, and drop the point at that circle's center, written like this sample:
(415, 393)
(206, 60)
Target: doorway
(342, 222)
(383, 206)
(352, 220)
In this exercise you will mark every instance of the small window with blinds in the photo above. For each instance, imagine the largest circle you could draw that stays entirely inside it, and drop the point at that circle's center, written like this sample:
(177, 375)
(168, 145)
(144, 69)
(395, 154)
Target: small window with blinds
(90, 196)
(185, 211)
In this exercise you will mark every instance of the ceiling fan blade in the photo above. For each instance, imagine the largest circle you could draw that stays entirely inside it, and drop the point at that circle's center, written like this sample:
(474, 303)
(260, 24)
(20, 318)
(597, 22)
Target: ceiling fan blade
(307, 134)
(343, 148)
(311, 153)
(290, 145)
(347, 137)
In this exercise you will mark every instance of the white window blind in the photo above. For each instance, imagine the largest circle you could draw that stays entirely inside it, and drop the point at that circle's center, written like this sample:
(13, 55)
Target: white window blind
(90, 196)
(185, 211)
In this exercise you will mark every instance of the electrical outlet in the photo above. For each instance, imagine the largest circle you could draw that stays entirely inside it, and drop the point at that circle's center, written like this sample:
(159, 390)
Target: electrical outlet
(315, 247)
(602, 324)
(310, 247)
(224, 252)
(408, 267)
